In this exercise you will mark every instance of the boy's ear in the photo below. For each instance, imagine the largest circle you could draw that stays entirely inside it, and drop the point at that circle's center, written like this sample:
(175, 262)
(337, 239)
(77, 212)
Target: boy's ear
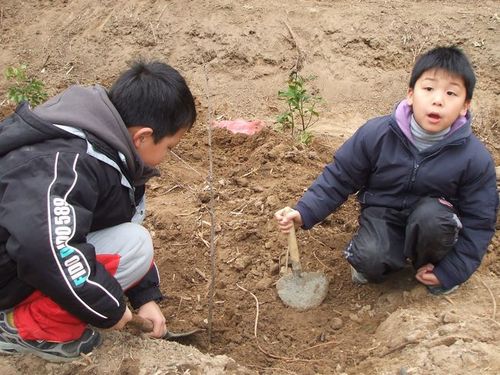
(466, 107)
(140, 135)
(409, 96)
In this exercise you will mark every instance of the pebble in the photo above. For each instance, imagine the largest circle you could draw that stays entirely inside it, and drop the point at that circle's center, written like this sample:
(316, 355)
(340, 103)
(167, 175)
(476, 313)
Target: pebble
(264, 283)
(242, 262)
(336, 323)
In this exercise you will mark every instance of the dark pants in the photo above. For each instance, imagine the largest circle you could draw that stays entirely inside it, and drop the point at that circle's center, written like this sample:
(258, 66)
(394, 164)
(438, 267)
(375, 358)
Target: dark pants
(387, 238)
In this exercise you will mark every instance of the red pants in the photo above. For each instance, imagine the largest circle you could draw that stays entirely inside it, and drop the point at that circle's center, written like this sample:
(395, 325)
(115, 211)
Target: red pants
(39, 318)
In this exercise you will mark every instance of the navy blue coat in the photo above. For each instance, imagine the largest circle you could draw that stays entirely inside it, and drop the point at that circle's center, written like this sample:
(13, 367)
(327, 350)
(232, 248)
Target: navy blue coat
(384, 167)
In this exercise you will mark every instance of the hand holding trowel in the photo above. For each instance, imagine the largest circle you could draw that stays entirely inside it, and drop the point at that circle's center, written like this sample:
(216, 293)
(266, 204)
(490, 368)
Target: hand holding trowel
(145, 325)
(298, 289)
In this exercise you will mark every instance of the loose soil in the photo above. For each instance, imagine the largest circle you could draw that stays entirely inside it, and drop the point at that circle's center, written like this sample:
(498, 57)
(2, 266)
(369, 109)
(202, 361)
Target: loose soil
(236, 56)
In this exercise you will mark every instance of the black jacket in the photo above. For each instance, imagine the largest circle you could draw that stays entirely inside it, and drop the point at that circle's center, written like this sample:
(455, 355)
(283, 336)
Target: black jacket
(382, 165)
(58, 182)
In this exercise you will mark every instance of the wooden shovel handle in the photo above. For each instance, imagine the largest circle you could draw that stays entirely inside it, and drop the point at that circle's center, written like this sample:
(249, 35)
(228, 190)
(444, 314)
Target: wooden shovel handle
(144, 325)
(293, 249)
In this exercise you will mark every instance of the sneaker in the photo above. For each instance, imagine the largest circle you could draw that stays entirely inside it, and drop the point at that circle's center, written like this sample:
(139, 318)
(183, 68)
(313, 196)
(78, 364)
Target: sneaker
(358, 277)
(12, 343)
(440, 291)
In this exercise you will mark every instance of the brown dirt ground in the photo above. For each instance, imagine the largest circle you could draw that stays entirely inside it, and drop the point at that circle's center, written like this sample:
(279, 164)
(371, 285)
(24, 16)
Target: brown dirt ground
(361, 52)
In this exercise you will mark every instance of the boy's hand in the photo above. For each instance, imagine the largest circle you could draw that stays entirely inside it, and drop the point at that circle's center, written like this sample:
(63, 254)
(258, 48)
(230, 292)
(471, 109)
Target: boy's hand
(152, 312)
(127, 316)
(426, 275)
(287, 217)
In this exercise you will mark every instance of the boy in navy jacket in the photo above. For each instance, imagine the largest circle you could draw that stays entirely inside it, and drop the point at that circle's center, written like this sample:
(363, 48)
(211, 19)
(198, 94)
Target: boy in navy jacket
(426, 184)
(72, 182)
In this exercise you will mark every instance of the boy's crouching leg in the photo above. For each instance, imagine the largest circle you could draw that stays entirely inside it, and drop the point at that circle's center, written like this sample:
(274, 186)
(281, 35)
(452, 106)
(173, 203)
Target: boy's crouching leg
(375, 250)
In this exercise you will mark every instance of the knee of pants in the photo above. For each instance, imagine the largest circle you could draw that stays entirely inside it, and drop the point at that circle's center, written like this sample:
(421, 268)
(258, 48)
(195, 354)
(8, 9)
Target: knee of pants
(367, 260)
(435, 220)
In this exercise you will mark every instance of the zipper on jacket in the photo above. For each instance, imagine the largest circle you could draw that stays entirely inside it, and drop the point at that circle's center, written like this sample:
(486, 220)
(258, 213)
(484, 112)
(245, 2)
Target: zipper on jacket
(414, 172)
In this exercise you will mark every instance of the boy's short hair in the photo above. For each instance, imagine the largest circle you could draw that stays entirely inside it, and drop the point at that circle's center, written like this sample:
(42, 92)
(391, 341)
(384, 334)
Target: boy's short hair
(451, 59)
(155, 95)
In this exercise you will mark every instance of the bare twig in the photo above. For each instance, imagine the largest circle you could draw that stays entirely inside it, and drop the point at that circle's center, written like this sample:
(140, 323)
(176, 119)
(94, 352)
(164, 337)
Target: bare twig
(187, 213)
(318, 241)
(257, 309)
(493, 316)
(494, 321)
(201, 273)
(185, 163)
(273, 355)
(323, 264)
(45, 62)
(211, 208)
(314, 347)
(172, 188)
(300, 56)
(396, 348)
(249, 173)
(450, 301)
(207, 244)
(159, 17)
(153, 31)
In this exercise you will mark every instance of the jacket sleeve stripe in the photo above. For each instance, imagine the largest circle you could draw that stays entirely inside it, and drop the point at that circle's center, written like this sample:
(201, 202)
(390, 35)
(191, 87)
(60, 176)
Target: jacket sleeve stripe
(72, 264)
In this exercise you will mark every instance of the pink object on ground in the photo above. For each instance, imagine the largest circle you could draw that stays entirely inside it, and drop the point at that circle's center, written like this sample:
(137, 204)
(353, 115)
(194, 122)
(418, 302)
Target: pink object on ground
(240, 126)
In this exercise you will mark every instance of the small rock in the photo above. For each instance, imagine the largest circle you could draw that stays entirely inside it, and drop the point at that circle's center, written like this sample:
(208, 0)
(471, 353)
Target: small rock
(241, 181)
(336, 323)
(447, 329)
(264, 283)
(272, 201)
(274, 269)
(242, 262)
(450, 317)
(355, 318)
(204, 197)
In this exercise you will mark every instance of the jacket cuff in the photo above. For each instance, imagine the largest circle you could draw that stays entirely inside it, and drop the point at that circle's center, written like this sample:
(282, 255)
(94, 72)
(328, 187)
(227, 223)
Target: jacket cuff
(144, 296)
(308, 220)
(446, 280)
(148, 289)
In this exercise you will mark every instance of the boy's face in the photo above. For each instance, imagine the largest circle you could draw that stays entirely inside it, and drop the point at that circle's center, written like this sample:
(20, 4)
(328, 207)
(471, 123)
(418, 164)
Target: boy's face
(150, 152)
(438, 99)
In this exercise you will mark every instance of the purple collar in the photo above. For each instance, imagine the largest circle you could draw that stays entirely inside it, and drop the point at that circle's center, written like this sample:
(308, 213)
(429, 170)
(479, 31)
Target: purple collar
(404, 112)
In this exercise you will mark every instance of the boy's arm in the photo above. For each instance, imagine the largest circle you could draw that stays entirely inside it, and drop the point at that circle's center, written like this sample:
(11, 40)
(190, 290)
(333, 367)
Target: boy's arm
(345, 175)
(478, 201)
(47, 207)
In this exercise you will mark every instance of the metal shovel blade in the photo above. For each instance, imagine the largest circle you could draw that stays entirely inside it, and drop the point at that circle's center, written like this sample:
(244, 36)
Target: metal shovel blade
(174, 336)
(303, 291)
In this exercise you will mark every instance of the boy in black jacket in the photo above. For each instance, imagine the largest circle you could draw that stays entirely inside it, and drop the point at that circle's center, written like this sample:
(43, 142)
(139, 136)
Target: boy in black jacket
(72, 181)
(426, 184)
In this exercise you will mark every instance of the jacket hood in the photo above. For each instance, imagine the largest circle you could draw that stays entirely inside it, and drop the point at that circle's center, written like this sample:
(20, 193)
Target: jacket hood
(89, 109)
(23, 128)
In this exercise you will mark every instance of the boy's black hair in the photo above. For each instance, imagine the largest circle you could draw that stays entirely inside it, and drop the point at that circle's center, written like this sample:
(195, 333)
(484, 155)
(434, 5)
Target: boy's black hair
(155, 95)
(451, 59)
